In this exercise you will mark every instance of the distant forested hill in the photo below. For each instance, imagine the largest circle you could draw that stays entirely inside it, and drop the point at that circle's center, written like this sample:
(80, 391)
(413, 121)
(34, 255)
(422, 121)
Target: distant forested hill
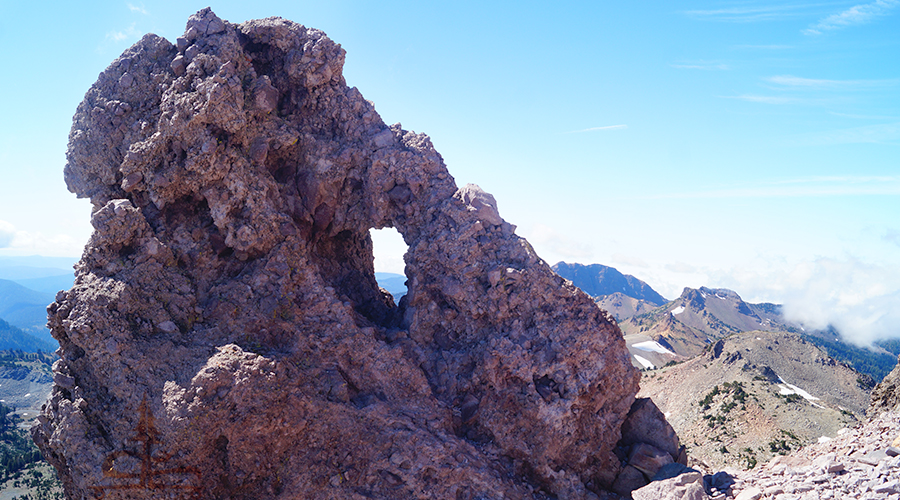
(23, 307)
(866, 361)
(15, 338)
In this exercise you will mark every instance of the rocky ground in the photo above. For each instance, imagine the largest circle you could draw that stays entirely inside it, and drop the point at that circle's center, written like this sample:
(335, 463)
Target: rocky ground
(861, 463)
(731, 409)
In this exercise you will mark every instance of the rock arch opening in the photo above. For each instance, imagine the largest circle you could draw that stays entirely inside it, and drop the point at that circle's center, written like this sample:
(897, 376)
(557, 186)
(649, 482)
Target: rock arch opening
(388, 249)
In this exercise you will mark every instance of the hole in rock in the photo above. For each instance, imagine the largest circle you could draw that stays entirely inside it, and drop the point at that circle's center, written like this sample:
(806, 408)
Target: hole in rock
(346, 261)
(389, 248)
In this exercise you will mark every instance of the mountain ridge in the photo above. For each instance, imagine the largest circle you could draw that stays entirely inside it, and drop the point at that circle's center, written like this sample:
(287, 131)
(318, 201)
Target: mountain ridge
(753, 395)
(698, 317)
(598, 280)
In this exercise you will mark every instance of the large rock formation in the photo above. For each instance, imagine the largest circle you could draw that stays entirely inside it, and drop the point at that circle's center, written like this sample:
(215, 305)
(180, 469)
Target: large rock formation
(886, 395)
(226, 338)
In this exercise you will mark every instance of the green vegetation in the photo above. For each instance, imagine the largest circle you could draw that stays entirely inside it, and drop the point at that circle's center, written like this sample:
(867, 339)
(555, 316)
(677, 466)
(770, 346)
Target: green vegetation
(16, 448)
(41, 481)
(890, 345)
(13, 358)
(21, 464)
(747, 458)
(789, 398)
(15, 338)
(733, 394)
(782, 446)
(873, 364)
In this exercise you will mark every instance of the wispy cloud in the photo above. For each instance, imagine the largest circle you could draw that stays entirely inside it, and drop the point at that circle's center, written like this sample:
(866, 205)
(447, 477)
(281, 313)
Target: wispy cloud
(755, 13)
(813, 83)
(864, 117)
(140, 9)
(555, 245)
(129, 33)
(598, 129)
(885, 133)
(702, 65)
(765, 99)
(629, 260)
(892, 236)
(854, 16)
(848, 185)
(765, 47)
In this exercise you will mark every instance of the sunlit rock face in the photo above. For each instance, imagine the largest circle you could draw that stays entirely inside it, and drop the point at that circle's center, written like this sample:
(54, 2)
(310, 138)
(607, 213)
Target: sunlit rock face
(886, 395)
(226, 338)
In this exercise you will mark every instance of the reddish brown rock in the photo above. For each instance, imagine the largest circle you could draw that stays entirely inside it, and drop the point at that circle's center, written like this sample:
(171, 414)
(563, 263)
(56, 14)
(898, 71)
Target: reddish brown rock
(886, 395)
(226, 338)
(688, 486)
(648, 459)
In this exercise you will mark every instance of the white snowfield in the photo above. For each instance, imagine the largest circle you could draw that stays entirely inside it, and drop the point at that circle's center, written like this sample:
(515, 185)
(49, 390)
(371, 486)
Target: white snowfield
(787, 389)
(652, 346)
(678, 310)
(646, 363)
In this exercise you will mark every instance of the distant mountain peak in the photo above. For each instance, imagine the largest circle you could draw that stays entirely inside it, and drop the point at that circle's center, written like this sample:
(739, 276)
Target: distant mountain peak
(598, 281)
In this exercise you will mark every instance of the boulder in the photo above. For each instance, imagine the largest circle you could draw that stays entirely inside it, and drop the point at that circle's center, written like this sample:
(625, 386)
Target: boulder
(886, 395)
(648, 459)
(226, 338)
(646, 424)
(687, 486)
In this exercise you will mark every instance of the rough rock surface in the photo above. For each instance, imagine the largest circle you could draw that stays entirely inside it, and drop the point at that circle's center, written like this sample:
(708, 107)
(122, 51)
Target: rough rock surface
(226, 338)
(886, 395)
(860, 463)
(687, 486)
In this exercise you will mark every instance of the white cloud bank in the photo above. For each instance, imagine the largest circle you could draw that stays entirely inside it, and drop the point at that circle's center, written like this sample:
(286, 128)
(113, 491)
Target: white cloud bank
(862, 301)
(7, 233)
(16, 242)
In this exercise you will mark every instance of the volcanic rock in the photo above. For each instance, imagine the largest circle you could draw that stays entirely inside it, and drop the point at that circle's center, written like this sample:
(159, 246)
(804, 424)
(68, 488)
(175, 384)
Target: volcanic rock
(886, 395)
(226, 338)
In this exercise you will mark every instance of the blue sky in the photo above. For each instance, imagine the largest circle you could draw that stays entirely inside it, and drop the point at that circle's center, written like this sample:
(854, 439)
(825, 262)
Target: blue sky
(749, 145)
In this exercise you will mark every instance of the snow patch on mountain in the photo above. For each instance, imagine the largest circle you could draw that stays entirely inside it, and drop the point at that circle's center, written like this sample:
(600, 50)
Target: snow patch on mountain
(787, 389)
(652, 346)
(644, 362)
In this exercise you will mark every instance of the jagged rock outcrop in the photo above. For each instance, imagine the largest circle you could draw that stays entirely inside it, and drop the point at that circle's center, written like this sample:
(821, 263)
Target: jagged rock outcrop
(886, 395)
(226, 338)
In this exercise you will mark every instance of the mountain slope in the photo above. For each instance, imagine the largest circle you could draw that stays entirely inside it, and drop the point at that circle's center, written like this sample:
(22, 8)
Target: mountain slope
(14, 338)
(598, 280)
(701, 316)
(48, 284)
(622, 306)
(23, 307)
(394, 283)
(755, 394)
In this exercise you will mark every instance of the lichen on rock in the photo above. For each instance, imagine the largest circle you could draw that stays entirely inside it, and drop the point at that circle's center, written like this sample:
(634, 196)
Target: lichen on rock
(226, 337)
